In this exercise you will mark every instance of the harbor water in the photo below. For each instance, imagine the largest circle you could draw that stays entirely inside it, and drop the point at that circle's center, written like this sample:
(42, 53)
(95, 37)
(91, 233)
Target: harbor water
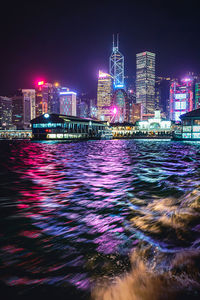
(105, 220)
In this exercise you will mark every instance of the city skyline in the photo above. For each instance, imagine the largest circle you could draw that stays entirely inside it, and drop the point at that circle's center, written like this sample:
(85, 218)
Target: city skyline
(52, 40)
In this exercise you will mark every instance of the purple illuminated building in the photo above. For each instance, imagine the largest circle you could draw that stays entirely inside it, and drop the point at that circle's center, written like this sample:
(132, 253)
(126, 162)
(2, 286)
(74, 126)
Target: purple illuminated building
(181, 98)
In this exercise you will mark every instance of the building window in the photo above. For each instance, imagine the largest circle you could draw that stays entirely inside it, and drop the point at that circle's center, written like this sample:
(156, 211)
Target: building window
(186, 135)
(187, 128)
(196, 135)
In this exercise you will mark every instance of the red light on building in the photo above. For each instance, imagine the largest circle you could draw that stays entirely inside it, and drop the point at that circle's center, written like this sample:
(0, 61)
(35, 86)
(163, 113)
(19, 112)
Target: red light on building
(40, 82)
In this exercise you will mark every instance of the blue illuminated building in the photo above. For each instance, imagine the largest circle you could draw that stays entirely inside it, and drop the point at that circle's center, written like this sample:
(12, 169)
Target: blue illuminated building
(116, 65)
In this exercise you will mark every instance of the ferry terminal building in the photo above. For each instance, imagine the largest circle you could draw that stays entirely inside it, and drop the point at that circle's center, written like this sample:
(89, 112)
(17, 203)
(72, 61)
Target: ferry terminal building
(56, 126)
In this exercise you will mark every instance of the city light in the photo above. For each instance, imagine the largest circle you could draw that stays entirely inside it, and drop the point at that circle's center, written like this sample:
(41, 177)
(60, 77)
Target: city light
(67, 93)
(46, 116)
(57, 84)
(114, 110)
(117, 86)
(186, 79)
(103, 75)
(40, 82)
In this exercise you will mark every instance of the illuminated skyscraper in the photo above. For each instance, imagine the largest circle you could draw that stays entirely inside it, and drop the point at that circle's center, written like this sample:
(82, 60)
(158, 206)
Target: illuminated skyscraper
(145, 81)
(104, 96)
(197, 95)
(23, 108)
(181, 98)
(68, 103)
(5, 112)
(116, 65)
(29, 100)
(47, 98)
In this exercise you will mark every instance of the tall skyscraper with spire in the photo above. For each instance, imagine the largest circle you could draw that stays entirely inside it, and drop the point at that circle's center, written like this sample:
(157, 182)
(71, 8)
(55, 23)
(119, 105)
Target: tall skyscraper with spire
(116, 65)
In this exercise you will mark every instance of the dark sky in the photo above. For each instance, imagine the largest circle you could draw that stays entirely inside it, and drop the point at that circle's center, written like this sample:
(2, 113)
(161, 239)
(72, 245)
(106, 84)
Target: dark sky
(69, 42)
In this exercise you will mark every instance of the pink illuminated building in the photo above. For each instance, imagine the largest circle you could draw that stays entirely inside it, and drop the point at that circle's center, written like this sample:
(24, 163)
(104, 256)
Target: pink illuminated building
(181, 98)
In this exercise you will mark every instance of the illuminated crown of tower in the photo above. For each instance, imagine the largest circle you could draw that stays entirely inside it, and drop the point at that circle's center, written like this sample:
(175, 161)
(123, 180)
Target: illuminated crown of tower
(116, 65)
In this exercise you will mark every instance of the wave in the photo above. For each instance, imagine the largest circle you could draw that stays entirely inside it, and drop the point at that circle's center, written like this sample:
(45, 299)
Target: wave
(152, 281)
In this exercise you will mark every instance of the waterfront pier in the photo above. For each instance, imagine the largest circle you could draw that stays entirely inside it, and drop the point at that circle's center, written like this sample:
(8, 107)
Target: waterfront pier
(55, 126)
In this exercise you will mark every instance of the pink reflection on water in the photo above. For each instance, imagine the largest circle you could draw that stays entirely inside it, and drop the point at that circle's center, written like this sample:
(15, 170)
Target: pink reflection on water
(11, 249)
(30, 234)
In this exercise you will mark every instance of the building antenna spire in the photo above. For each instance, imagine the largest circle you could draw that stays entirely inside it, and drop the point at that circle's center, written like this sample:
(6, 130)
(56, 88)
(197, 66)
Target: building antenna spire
(113, 40)
(117, 40)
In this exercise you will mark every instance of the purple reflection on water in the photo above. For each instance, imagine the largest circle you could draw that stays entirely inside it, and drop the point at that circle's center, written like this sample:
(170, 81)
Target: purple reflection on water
(74, 205)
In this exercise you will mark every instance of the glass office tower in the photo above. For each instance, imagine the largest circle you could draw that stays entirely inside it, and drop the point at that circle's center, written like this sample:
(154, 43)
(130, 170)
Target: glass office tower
(145, 81)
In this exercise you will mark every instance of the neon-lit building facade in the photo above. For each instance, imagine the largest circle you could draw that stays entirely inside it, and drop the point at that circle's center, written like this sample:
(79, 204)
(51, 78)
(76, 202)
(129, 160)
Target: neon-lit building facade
(5, 112)
(104, 96)
(43, 91)
(68, 103)
(145, 81)
(197, 95)
(116, 65)
(47, 98)
(181, 98)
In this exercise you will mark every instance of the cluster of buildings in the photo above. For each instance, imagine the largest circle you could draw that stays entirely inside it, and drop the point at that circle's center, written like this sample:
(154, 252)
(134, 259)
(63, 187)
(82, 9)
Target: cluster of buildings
(120, 99)
(17, 111)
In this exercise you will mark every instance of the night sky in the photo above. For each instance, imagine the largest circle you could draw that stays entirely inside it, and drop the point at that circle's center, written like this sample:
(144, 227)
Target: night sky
(69, 42)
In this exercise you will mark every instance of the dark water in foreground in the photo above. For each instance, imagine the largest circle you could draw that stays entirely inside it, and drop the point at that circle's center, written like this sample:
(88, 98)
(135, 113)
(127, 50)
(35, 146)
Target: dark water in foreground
(103, 219)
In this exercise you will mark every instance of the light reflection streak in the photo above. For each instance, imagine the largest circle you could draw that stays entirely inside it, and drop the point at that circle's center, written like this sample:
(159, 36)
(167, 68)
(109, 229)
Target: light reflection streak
(91, 201)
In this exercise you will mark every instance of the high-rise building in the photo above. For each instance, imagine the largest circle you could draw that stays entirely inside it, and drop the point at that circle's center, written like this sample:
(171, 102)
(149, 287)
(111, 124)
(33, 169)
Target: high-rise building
(197, 95)
(145, 81)
(131, 99)
(43, 94)
(48, 97)
(93, 108)
(5, 112)
(181, 98)
(29, 100)
(104, 96)
(17, 111)
(23, 104)
(162, 88)
(116, 65)
(54, 98)
(135, 112)
(82, 109)
(119, 101)
(68, 103)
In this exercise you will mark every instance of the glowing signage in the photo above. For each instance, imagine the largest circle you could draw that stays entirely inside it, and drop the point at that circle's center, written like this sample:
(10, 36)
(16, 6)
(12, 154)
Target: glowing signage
(119, 86)
(67, 93)
(180, 96)
(40, 82)
(180, 105)
(186, 79)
